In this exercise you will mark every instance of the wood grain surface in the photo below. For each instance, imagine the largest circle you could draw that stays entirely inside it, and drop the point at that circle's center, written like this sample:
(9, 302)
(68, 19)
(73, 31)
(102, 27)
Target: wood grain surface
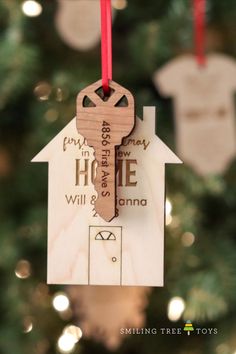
(82, 247)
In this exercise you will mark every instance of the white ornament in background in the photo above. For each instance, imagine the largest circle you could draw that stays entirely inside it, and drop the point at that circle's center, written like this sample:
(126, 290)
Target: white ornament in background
(102, 312)
(204, 110)
(78, 23)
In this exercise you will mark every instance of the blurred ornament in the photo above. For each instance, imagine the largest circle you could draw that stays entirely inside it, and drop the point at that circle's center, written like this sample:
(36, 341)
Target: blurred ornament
(78, 23)
(31, 8)
(103, 310)
(204, 110)
(23, 269)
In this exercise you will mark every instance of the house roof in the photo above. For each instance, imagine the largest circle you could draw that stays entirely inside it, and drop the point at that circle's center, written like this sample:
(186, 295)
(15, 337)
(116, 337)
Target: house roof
(145, 128)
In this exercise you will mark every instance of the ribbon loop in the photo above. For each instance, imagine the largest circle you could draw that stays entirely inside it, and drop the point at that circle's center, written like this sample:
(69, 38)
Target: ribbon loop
(199, 30)
(106, 43)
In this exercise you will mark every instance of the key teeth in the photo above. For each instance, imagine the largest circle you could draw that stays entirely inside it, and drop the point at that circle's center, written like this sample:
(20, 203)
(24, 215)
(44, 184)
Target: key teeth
(107, 215)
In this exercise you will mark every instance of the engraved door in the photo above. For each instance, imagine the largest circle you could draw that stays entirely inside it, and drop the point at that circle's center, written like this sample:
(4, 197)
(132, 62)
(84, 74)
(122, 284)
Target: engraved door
(105, 244)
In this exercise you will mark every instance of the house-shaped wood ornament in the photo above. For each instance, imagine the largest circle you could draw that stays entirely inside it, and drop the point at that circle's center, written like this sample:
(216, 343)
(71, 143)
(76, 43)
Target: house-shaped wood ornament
(82, 247)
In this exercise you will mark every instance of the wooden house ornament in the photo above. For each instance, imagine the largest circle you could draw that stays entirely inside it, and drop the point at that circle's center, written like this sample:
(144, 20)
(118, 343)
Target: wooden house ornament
(82, 247)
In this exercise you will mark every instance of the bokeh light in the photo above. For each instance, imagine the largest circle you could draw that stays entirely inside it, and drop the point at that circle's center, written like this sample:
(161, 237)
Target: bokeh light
(66, 343)
(51, 115)
(119, 4)
(187, 239)
(42, 91)
(23, 269)
(75, 331)
(60, 302)
(168, 207)
(31, 8)
(27, 324)
(176, 307)
(168, 219)
(222, 348)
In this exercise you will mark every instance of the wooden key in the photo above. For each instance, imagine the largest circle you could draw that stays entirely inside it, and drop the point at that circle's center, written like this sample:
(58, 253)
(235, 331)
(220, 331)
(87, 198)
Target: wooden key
(104, 122)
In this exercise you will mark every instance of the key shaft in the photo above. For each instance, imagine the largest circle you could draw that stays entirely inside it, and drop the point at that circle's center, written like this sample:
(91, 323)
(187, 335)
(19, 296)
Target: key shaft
(104, 122)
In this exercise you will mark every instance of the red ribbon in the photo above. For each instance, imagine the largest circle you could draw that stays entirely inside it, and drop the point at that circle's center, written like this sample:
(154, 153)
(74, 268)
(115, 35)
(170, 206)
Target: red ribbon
(199, 30)
(106, 43)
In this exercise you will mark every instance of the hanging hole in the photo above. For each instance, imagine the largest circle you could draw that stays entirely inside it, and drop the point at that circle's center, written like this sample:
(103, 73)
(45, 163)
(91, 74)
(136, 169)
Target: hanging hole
(87, 102)
(123, 102)
(104, 96)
